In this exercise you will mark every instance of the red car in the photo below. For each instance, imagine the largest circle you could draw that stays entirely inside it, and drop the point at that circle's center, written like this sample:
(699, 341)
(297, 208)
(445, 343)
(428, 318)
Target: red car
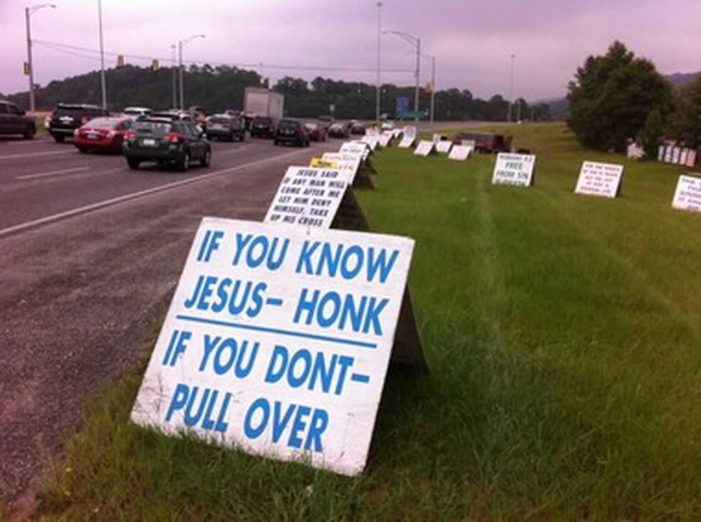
(315, 131)
(104, 134)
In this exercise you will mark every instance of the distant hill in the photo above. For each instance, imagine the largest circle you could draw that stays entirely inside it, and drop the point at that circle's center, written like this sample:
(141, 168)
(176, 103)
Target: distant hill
(681, 79)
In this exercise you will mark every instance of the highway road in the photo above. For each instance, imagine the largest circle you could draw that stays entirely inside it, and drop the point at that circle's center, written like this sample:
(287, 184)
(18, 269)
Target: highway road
(90, 252)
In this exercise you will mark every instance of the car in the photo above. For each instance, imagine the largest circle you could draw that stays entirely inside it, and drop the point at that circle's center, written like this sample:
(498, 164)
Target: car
(291, 131)
(173, 115)
(263, 127)
(103, 134)
(167, 142)
(357, 129)
(13, 120)
(325, 120)
(136, 113)
(223, 126)
(315, 131)
(338, 130)
(387, 125)
(67, 117)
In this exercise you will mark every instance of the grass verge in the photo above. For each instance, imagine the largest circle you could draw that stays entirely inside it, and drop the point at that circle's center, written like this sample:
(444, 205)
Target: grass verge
(564, 339)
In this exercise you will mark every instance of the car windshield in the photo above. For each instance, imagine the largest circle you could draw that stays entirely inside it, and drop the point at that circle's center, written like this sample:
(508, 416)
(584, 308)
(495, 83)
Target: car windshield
(288, 125)
(103, 123)
(336, 126)
(153, 128)
(134, 112)
(262, 121)
(218, 119)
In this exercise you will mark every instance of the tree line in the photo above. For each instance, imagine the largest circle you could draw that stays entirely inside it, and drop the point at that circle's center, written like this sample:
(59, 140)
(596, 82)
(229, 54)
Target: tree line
(617, 97)
(222, 87)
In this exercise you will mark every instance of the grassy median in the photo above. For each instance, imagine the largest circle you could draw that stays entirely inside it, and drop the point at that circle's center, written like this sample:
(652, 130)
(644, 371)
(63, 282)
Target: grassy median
(563, 334)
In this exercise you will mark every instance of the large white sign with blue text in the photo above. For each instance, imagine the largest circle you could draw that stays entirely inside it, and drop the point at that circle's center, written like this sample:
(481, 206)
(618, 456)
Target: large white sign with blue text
(277, 341)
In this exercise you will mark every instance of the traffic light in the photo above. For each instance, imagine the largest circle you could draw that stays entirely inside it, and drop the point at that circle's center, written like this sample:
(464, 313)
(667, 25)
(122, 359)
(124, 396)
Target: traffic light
(155, 65)
(120, 61)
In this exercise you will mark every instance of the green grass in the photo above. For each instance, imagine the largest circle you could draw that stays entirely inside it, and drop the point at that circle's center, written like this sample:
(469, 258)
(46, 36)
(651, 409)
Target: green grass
(563, 337)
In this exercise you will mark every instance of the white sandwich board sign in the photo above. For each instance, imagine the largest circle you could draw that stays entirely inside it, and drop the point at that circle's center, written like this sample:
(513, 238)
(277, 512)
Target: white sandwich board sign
(599, 179)
(514, 169)
(424, 148)
(370, 141)
(277, 341)
(384, 138)
(687, 196)
(308, 196)
(409, 131)
(345, 162)
(406, 143)
(444, 146)
(356, 147)
(459, 152)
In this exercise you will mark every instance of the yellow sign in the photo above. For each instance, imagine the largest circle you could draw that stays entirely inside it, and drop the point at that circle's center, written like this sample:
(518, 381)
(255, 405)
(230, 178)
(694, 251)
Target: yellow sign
(320, 163)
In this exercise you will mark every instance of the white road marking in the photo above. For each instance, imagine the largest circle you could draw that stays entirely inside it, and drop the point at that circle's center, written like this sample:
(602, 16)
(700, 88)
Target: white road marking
(52, 173)
(34, 154)
(134, 195)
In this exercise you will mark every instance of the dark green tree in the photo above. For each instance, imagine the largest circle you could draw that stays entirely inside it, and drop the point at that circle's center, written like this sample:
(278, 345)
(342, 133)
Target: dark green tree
(686, 121)
(612, 96)
(652, 133)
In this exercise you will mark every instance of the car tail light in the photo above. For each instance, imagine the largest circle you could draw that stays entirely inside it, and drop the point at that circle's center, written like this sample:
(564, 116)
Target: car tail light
(76, 132)
(172, 138)
(84, 120)
(110, 134)
(130, 135)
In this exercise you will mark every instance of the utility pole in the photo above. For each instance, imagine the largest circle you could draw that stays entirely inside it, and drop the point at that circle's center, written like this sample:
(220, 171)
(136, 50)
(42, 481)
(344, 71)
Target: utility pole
(379, 49)
(175, 88)
(102, 57)
(181, 44)
(416, 41)
(30, 64)
(511, 87)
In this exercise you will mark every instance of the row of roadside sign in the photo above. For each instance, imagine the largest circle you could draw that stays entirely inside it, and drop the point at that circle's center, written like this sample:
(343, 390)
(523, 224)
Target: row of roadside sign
(279, 335)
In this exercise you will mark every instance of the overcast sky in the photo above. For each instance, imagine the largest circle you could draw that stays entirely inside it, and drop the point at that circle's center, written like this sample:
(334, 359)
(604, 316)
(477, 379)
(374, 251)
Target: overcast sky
(472, 39)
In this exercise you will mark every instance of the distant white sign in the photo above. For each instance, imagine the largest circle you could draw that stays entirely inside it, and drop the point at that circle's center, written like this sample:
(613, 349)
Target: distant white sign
(676, 153)
(371, 141)
(691, 158)
(383, 140)
(345, 162)
(308, 196)
(277, 341)
(424, 148)
(514, 169)
(443, 146)
(599, 179)
(406, 143)
(459, 153)
(668, 154)
(469, 143)
(635, 151)
(436, 138)
(372, 132)
(356, 147)
(687, 196)
(396, 133)
(409, 131)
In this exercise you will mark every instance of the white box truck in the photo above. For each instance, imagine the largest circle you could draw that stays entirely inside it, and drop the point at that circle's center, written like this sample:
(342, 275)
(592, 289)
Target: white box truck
(259, 101)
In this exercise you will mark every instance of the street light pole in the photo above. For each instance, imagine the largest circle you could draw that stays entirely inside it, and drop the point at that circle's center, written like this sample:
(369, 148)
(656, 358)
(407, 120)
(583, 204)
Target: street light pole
(377, 86)
(175, 89)
(413, 40)
(511, 87)
(30, 64)
(181, 44)
(102, 57)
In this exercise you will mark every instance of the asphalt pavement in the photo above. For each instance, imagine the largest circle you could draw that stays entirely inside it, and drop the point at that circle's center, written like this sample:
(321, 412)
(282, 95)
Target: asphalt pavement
(90, 253)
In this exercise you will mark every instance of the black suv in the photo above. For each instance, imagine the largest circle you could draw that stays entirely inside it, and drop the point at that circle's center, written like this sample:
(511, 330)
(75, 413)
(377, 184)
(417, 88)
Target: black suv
(262, 127)
(226, 127)
(166, 142)
(291, 131)
(14, 121)
(66, 118)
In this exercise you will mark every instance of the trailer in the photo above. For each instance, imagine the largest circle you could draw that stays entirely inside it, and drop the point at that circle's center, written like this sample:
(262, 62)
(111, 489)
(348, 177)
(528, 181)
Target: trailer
(259, 101)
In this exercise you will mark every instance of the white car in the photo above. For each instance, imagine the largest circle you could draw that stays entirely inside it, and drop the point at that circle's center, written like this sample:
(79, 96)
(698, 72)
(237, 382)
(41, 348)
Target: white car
(387, 126)
(136, 112)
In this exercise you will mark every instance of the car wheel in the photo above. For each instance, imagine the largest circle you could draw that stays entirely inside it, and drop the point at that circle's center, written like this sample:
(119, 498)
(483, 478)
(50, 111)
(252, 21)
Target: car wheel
(133, 163)
(29, 132)
(207, 158)
(59, 138)
(184, 164)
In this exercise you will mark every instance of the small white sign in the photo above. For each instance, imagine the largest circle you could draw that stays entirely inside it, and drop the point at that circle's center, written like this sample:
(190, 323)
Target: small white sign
(660, 153)
(406, 143)
(436, 138)
(384, 139)
(691, 158)
(424, 148)
(372, 132)
(353, 147)
(444, 146)
(308, 196)
(345, 162)
(396, 133)
(514, 169)
(409, 131)
(687, 196)
(370, 141)
(668, 154)
(459, 153)
(469, 143)
(277, 341)
(599, 179)
(676, 152)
